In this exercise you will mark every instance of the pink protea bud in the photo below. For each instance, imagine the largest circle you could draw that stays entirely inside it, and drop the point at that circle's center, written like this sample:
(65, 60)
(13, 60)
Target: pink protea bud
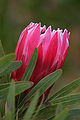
(52, 49)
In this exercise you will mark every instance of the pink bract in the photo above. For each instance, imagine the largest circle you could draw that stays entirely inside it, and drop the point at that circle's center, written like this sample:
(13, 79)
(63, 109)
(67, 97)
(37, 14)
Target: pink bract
(52, 49)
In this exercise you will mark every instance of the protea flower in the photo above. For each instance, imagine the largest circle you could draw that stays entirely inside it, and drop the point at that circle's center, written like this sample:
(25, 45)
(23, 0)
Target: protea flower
(52, 49)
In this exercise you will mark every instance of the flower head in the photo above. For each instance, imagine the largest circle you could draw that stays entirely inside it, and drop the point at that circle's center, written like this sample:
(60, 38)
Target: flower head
(52, 49)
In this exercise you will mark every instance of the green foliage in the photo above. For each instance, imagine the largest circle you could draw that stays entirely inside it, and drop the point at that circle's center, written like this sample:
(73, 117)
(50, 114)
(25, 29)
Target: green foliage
(1, 49)
(42, 86)
(29, 106)
(38, 108)
(10, 103)
(5, 62)
(13, 66)
(46, 113)
(19, 88)
(62, 115)
(32, 107)
(67, 100)
(66, 89)
(59, 109)
(74, 114)
(30, 66)
(7, 65)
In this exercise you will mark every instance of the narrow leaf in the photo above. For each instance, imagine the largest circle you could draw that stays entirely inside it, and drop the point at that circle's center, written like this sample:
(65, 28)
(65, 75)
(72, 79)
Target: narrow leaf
(46, 113)
(17, 115)
(1, 49)
(13, 66)
(38, 108)
(32, 107)
(30, 66)
(59, 109)
(49, 113)
(53, 78)
(66, 90)
(62, 115)
(67, 100)
(0, 116)
(5, 62)
(74, 114)
(11, 102)
(42, 86)
(19, 88)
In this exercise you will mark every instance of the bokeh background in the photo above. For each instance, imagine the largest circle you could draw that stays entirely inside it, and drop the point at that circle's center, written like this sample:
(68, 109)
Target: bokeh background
(15, 15)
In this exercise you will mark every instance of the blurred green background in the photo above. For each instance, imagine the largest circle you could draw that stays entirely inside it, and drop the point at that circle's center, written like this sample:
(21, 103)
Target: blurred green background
(15, 15)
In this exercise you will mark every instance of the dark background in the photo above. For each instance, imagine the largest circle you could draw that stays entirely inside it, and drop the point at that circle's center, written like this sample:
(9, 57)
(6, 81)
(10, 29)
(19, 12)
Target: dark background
(15, 15)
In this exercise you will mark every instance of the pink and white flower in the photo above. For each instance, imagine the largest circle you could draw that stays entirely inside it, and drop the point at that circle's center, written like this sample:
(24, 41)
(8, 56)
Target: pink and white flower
(52, 49)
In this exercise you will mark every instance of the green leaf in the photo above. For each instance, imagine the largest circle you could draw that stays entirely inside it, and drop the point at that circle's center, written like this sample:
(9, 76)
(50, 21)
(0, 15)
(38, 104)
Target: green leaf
(38, 108)
(49, 113)
(2, 108)
(30, 66)
(59, 109)
(46, 113)
(50, 81)
(42, 86)
(19, 88)
(1, 49)
(4, 85)
(13, 66)
(0, 116)
(17, 115)
(10, 104)
(67, 100)
(8, 115)
(62, 115)
(22, 86)
(5, 62)
(32, 107)
(66, 90)
(74, 114)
